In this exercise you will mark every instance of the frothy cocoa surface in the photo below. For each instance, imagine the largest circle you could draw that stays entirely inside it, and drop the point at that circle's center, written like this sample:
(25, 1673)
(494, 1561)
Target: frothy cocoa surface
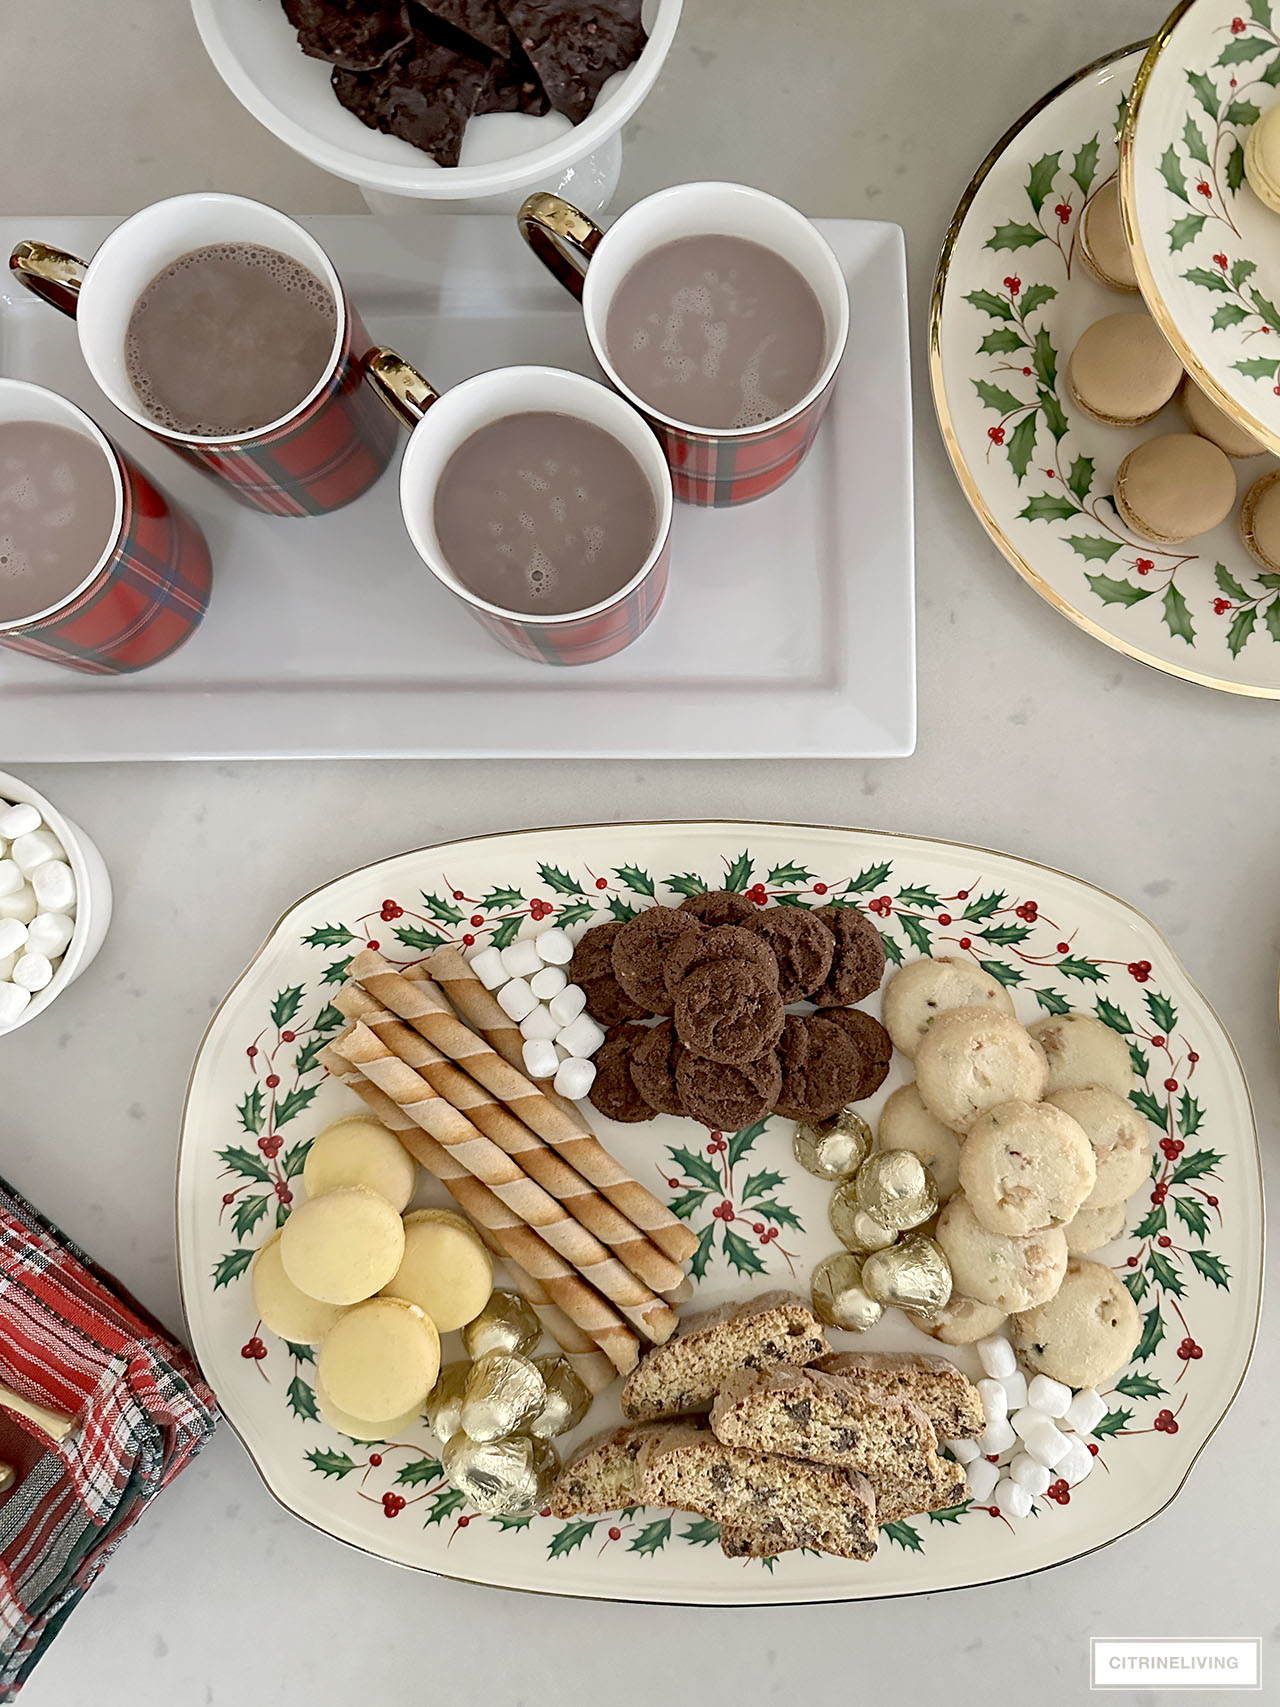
(57, 511)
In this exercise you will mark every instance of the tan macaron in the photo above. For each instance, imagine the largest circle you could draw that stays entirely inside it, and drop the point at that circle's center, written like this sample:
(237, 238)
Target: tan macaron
(1174, 487)
(1103, 244)
(1260, 520)
(1262, 159)
(1205, 417)
(1122, 372)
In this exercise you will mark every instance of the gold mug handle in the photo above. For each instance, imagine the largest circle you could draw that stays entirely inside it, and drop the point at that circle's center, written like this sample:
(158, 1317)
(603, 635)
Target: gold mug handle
(562, 238)
(49, 273)
(399, 384)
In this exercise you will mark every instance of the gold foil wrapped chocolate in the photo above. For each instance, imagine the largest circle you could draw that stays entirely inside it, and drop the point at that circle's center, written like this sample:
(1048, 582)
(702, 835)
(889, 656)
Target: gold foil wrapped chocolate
(444, 1402)
(896, 1189)
(912, 1275)
(839, 1297)
(546, 1467)
(500, 1478)
(568, 1398)
(856, 1230)
(503, 1391)
(506, 1323)
(833, 1149)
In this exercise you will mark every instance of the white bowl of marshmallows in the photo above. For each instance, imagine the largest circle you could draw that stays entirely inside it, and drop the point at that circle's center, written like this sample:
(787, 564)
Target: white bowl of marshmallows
(55, 903)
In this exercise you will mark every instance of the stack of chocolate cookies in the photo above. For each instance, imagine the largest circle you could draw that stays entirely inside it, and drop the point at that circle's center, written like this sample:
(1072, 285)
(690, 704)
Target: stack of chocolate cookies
(719, 975)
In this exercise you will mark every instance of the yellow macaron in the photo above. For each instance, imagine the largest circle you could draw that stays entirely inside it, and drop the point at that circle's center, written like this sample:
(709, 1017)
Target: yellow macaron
(1262, 158)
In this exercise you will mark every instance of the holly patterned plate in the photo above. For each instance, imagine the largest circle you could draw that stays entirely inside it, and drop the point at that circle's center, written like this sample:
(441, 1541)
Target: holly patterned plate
(1206, 249)
(1011, 297)
(1192, 1256)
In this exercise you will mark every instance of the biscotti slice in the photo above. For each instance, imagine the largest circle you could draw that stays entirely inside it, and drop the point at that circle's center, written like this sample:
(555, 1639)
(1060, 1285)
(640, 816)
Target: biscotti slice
(770, 1502)
(603, 1474)
(845, 1421)
(949, 1400)
(681, 1377)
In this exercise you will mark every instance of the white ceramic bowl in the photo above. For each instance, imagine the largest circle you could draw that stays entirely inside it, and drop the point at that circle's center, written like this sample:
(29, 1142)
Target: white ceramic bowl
(93, 897)
(255, 50)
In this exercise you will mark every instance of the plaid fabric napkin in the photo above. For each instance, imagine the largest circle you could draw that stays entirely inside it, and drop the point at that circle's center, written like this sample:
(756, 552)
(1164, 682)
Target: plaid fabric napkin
(73, 1341)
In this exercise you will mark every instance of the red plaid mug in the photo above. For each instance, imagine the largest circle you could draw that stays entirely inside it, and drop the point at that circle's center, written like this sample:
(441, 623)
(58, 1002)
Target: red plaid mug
(323, 453)
(148, 589)
(712, 467)
(441, 422)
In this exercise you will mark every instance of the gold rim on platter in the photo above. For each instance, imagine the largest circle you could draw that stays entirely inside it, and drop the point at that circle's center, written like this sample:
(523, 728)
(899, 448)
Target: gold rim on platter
(951, 440)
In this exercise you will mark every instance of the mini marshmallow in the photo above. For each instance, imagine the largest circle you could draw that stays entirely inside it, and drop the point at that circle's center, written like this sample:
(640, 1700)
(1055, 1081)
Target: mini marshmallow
(521, 959)
(48, 933)
(1076, 1464)
(1085, 1411)
(18, 821)
(537, 1025)
(34, 849)
(13, 1001)
(1051, 1397)
(55, 886)
(995, 1354)
(566, 1007)
(488, 968)
(1028, 1474)
(582, 1036)
(575, 1077)
(982, 1478)
(549, 982)
(13, 936)
(1012, 1498)
(554, 948)
(1027, 1418)
(963, 1451)
(32, 971)
(1047, 1444)
(999, 1437)
(11, 878)
(1015, 1389)
(517, 1000)
(6, 967)
(540, 1058)
(995, 1404)
(20, 904)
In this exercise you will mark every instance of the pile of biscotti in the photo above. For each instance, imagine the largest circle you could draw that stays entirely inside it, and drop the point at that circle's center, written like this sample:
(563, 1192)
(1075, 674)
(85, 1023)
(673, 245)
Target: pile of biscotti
(747, 1417)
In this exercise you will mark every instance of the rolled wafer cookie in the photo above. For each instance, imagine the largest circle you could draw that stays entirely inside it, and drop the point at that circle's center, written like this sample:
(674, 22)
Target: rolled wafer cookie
(427, 1011)
(507, 1180)
(585, 1327)
(514, 1138)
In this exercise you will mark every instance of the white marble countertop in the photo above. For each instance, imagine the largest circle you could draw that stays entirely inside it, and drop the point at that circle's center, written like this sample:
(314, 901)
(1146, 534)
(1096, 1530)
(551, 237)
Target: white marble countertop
(1032, 738)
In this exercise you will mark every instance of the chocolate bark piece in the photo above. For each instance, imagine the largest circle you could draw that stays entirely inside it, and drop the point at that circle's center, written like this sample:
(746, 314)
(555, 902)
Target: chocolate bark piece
(720, 907)
(729, 1011)
(822, 1067)
(353, 34)
(592, 968)
(425, 93)
(513, 87)
(803, 946)
(654, 1061)
(482, 20)
(874, 1042)
(576, 45)
(858, 965)
(641, 950)
(724, 1098)
(723, 942)
(614, 1092)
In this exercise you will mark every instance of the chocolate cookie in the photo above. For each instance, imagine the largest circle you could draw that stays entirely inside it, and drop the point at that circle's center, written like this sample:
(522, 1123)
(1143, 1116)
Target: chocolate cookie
(874, 1042)
(720, 907)
(803, 947)
(858, 966)
(641, 950)
(614, 1092)
(728, 1011)
(821, 1066)
(724, 942)
(592, 968)
(654, 1061)
(728, 1098)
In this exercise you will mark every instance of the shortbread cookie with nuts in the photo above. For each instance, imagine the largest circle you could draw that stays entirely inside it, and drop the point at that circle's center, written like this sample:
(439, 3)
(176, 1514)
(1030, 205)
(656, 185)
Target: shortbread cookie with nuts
(972, 1059)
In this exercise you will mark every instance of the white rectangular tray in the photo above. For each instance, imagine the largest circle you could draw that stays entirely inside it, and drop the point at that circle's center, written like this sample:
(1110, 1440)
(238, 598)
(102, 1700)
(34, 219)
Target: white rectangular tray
(788, 628)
